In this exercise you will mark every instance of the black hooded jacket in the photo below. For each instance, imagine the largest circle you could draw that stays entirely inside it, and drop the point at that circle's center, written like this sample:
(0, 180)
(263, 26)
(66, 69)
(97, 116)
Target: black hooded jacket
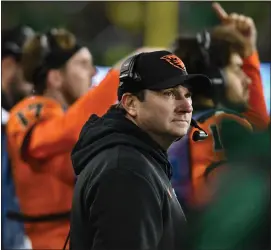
(123, 199)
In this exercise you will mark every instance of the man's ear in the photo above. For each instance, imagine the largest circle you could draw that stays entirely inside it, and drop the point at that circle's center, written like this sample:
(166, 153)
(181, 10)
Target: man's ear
(55, 79)
(129, 103)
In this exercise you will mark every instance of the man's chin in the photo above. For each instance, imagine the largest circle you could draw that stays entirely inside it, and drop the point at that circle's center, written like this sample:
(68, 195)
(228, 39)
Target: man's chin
(180, 132)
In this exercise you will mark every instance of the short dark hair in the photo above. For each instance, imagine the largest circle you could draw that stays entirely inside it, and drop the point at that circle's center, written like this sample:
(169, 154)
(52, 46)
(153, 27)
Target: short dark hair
(140, 96)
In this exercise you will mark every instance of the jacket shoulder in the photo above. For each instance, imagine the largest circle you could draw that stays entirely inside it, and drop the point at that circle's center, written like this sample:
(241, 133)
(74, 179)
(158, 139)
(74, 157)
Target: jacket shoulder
(123, 161)
(129, 159)
(117, 157)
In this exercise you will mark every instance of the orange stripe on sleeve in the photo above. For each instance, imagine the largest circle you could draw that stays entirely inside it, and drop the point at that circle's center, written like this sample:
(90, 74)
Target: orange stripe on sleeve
(257, 113)
(58, 135)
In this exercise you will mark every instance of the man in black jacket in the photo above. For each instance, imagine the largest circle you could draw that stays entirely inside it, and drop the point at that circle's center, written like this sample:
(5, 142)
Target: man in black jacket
(123, 198)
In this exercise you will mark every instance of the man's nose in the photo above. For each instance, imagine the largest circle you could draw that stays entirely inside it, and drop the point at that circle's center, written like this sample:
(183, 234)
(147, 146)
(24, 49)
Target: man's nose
(185, 105)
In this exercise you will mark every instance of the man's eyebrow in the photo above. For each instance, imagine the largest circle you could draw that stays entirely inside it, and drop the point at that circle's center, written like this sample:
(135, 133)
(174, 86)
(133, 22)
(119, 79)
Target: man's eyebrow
(189, 89)
(186, 91)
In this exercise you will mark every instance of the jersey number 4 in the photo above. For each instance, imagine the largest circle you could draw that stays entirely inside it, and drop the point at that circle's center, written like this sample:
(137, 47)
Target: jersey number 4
(216, 138)
(36, 108)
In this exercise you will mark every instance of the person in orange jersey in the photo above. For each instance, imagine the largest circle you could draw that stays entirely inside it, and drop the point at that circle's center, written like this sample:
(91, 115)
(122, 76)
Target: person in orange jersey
(228, 56)
(43, 129)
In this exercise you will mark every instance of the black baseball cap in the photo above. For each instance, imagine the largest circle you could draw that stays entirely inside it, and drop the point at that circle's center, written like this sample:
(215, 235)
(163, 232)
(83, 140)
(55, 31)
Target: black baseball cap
(160, 70)
(13, 40)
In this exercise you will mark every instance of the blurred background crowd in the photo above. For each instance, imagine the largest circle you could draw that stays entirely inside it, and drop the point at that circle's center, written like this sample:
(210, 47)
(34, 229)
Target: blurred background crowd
(114, 29)
(111, 31)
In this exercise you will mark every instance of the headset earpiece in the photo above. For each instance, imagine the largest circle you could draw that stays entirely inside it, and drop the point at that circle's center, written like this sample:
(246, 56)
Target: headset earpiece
(200, 134)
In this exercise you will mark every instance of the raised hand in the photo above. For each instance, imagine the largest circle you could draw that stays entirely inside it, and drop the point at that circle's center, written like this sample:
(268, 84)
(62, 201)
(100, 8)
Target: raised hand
(245, 25)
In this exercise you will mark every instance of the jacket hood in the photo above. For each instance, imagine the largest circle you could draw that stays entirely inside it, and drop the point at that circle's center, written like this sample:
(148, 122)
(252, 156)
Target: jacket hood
(112, 129)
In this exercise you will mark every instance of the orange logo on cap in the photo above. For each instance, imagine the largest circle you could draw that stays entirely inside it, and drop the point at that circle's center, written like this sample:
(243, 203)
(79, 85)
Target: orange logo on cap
(174, 61)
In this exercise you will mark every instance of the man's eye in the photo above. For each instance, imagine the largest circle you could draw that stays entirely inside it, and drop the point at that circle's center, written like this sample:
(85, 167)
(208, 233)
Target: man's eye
(188, 95)
(168, 93)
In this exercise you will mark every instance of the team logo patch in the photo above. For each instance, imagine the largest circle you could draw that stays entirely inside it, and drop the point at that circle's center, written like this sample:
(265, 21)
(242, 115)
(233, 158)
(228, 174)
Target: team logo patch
(174, 61)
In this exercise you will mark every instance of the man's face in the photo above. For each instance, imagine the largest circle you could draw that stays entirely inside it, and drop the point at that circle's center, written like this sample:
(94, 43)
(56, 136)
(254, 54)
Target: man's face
(165, 113)
(237, 92)
(14, 84)
(77, 75)
(20, 88)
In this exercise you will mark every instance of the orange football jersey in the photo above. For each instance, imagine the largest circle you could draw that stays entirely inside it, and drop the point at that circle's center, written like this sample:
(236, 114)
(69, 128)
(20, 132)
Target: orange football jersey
(40, 139)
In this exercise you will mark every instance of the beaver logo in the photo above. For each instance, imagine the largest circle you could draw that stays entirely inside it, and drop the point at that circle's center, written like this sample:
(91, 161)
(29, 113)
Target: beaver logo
(174, 61)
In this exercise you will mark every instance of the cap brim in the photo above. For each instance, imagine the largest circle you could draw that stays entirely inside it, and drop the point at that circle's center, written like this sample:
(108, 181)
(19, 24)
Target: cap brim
(196, 83)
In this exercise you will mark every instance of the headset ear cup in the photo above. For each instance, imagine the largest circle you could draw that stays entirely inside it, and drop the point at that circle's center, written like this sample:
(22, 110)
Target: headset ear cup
(210, 68)
(204, 41)
(218, 85)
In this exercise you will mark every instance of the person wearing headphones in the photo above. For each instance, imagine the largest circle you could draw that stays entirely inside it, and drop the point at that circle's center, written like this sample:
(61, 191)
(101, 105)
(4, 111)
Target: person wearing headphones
(123, 197)
(228, 56)
(42, 130)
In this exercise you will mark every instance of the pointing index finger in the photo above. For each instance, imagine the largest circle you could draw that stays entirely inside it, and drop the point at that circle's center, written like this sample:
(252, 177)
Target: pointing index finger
(220, 12)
